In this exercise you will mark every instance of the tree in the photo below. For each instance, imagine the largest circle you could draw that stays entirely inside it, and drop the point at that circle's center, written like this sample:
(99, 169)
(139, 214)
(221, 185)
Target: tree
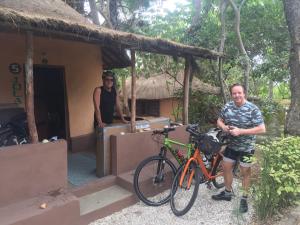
(292, 13)
(245, 58)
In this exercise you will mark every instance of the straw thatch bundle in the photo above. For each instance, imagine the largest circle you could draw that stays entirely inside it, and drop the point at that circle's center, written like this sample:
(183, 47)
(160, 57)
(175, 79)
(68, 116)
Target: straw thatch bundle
(164, 86)
(56, 18)
(56, 9)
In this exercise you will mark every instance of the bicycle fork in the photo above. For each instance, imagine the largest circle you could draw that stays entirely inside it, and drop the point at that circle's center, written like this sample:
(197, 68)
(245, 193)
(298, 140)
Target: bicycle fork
(187, 171)
(161, 166)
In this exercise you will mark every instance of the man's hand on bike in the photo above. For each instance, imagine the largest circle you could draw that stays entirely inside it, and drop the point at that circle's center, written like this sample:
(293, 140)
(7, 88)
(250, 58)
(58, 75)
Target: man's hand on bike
(226, 128)
(235, 131)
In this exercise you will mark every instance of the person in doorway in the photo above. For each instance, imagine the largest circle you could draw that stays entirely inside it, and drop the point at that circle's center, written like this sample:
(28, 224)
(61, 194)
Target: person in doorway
(106, 99)
(243, 120)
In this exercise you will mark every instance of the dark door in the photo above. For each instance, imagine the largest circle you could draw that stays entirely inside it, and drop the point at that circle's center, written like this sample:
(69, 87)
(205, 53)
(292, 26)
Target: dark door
(49, 102)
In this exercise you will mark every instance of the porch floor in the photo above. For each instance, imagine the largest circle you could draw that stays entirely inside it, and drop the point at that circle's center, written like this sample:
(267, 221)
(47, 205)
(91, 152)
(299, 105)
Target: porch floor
(81, 168)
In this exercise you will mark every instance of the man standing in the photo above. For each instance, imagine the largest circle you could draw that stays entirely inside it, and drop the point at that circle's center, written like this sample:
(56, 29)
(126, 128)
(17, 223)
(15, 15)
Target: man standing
(243, 120)
(105, 100)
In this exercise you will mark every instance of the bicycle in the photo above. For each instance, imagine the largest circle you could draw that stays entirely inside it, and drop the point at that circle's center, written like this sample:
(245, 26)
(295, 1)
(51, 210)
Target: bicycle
(155, 174)
(14, 132)
(186, 182)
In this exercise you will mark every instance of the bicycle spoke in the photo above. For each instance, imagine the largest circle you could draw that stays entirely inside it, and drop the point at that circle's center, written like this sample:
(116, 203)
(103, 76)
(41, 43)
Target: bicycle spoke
(153, 177)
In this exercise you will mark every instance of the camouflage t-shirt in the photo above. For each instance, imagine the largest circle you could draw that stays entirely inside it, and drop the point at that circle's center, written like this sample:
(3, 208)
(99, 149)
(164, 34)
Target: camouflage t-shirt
(246, 116)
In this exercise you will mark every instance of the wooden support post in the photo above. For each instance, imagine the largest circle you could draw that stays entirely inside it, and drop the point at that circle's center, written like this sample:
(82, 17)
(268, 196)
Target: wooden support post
(133, 91)
(187, 74)
(125, 97)
(29, 103)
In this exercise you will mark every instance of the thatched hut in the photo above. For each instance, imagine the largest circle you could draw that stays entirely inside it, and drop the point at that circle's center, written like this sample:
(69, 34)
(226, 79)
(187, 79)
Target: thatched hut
(65, 70)
(158, 95)
(66, 44)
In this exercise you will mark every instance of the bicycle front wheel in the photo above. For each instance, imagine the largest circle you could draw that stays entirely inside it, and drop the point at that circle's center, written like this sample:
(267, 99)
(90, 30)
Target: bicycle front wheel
(217, 170)
(153, 180)
(184, 195)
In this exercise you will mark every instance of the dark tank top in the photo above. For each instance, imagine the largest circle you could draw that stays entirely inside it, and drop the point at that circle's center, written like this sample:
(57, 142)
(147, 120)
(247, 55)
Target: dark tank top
(107, 104)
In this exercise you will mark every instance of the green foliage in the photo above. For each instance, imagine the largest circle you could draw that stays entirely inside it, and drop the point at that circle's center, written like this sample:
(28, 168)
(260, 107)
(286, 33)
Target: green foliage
(271, 110)
(279, 183)
(204, 109)
(177, 113)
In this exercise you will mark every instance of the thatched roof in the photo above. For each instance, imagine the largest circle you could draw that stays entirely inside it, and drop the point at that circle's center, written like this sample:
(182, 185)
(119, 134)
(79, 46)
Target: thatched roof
(55, 18)
(164, 86)
(42, 16)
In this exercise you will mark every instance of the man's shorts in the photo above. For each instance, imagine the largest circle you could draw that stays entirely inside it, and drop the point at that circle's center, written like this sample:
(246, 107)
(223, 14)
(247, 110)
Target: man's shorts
(245, 158)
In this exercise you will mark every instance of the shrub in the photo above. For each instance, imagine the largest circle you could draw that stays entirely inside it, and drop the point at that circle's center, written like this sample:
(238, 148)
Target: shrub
(278, 185)
(270, 110)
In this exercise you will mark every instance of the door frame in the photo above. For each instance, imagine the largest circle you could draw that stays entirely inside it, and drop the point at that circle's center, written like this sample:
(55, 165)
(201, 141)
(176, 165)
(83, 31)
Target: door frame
(66, 108)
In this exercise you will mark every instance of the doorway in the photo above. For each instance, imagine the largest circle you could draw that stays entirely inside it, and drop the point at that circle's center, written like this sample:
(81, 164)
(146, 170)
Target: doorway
(50, 107)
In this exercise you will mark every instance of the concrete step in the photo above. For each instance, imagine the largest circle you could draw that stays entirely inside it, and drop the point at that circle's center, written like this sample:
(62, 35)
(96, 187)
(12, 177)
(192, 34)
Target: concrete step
(125, 180)
(94, 186)
(101, 199)
(104, 202)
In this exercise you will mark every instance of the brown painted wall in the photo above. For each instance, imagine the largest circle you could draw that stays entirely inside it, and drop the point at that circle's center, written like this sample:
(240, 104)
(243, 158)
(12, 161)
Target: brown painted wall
(32, 169)
(83, 66)
(103, 153)
(129, 150)
(167, 106)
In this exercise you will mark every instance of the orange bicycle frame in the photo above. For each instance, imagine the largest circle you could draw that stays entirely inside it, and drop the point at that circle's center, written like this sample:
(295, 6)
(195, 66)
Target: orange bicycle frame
(197, 158)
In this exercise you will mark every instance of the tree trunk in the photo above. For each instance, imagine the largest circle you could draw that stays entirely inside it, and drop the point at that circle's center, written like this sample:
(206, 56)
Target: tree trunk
(292, 14)
(113, 13)
(221, 80)
(133, 91)
(271, 87)
(223, 7)
(246, 60)
(94, 12)
(187, 74)
(29, 104)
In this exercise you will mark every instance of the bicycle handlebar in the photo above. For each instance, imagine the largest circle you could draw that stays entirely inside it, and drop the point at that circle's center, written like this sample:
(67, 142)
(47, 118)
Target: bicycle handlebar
(193, 129)
(164, 131)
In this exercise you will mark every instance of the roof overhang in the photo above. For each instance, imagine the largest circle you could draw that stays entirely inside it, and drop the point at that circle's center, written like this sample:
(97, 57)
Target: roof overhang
(41, 25)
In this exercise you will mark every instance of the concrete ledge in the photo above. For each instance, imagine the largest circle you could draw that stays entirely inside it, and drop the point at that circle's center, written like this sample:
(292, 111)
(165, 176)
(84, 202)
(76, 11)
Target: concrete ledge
(62, 209)
(31, 170)
(130, 149)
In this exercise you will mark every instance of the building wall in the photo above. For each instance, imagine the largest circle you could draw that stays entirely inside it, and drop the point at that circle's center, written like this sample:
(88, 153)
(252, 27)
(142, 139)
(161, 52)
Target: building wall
(168, 107)
(83, 67)
(31, 170)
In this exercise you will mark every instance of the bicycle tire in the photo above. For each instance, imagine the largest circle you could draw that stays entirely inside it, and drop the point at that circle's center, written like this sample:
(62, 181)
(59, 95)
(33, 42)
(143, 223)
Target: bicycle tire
(215, 170)
(176, 189)
(149, 200)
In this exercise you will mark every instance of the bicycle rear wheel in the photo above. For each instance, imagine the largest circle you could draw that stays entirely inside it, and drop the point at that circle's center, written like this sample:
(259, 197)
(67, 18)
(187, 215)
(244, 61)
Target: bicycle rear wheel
(182, 197)
(217, 170)
(153, 180)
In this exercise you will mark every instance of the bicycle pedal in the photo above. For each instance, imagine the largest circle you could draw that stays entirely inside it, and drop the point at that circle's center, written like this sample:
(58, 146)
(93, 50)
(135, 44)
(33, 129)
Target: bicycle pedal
(208, 186)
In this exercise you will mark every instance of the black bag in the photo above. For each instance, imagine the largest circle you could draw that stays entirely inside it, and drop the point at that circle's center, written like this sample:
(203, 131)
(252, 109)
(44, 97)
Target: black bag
(209, 142)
